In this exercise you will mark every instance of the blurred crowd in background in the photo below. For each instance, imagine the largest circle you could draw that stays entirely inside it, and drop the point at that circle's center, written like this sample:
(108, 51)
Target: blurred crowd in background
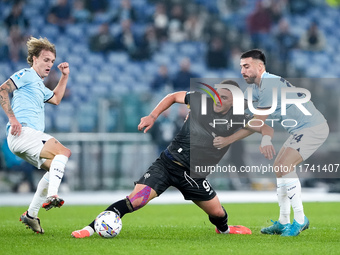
(141, 27)
(125, 55)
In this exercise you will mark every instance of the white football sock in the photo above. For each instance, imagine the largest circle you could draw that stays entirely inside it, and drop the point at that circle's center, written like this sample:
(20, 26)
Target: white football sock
(283, 200)
(91, 230)
(56, 174)
(39, 196)
(294, 195)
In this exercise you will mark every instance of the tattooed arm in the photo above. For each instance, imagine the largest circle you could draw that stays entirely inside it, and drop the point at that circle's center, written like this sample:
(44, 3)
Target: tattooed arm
(6, 88)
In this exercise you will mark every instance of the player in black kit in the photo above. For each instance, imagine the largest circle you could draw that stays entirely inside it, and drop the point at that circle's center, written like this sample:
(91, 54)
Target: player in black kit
(198, 143)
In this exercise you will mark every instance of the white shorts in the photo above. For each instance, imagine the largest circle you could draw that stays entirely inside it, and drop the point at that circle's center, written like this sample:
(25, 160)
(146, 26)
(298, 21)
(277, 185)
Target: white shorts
(28, 145)
(308, 140)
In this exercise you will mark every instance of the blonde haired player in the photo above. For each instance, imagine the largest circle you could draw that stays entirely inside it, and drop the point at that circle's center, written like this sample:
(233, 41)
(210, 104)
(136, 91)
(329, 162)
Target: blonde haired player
(25, 129)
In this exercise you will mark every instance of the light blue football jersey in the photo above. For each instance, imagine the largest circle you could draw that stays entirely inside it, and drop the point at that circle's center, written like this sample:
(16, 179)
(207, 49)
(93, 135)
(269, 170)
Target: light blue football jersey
(263, 95)
(28, 102)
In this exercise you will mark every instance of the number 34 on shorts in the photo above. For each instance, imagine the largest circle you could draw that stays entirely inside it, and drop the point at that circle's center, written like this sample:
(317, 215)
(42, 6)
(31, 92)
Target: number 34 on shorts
(296, 138)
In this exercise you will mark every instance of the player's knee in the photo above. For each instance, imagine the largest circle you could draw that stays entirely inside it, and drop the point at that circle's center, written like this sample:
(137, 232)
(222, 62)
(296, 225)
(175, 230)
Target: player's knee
(279, 164)
(67, 152)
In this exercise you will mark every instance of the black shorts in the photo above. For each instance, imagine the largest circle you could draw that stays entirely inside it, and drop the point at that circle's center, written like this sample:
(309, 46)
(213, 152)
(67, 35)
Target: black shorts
(164, 173)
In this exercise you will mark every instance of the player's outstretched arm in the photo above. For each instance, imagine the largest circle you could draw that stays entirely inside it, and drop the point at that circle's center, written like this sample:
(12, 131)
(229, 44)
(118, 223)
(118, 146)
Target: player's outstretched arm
(148, 121)
(59, 90)
(6, 88)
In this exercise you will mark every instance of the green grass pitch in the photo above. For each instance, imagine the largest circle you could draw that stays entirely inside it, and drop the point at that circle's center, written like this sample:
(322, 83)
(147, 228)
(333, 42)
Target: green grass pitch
(170, 229)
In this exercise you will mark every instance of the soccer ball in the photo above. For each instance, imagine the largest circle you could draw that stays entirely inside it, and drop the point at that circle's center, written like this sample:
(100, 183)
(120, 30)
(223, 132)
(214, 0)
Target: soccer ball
(108, 224)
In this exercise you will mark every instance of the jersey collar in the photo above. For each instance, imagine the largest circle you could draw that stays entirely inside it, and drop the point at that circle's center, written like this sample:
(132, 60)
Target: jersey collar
(36, 73)
(262, 78)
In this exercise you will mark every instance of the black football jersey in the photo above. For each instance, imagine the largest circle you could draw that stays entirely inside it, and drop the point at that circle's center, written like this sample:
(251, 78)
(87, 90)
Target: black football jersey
(193, 145)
